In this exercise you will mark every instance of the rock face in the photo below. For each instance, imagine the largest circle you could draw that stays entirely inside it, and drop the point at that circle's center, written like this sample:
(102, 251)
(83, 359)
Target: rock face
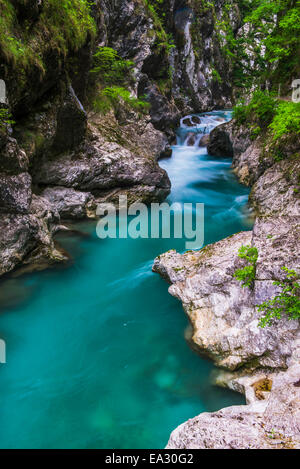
(224, 316)
(220, 145)
(222, 313)
(271, 423)
(28, 239)
(71, 157)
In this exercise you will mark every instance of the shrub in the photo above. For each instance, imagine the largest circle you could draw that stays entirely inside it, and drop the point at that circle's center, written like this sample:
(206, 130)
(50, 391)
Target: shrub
(246, 275)
(112, 96)
(5, 118)
(286, 302)
(111, 68)
(286, 120)
(260, 110)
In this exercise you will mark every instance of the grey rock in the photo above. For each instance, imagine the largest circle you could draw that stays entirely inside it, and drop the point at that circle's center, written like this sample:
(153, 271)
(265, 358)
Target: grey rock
(103, 165)
(69, 203)
(277, 191)
(15, 193)
(13, 160)
(27, 239)
(272, 423)
(222, 313)
(220, 144)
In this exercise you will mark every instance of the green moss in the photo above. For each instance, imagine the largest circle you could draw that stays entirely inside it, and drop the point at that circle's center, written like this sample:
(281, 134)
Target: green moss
(62, 25)
(5, 118)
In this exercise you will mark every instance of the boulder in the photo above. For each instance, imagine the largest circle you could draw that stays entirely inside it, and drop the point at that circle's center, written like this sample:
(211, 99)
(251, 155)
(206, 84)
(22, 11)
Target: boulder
(101, 165)
(219, 143)
(271, 423)
(15, 193)
(69, 203)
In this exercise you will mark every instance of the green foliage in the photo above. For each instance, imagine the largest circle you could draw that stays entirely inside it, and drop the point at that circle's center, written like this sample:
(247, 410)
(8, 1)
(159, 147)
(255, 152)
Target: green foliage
(216, 75)
(114, 75)
(110, 67)
(286, 302)
(260, 110)
(112, 96)
(269, 47)
(5, 118)
(157, 10)
(286, 120)
(246, 275)
(62, 25)
(275, 118)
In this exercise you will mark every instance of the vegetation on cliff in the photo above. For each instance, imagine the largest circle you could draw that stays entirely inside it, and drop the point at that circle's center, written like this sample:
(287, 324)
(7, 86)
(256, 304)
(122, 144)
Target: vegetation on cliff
(113, 75)
(266, 51)
(26, 33)
(287, 301)
(277, 120)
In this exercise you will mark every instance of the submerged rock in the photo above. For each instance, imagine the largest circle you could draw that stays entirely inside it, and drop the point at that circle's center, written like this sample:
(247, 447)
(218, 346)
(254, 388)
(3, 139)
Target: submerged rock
(191, 139)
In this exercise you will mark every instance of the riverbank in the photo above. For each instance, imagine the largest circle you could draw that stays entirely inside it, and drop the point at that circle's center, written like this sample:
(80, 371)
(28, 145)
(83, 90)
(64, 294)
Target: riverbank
(225, 316)
(98, 347)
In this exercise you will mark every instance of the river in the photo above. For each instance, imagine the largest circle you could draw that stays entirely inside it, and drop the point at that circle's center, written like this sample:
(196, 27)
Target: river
(96, 355)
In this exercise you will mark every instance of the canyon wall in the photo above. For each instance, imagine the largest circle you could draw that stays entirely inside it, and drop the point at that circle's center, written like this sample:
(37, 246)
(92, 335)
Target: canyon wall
(61, 157)
(224, 315)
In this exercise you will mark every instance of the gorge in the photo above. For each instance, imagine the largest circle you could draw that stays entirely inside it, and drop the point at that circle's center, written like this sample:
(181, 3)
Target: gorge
(134, 97)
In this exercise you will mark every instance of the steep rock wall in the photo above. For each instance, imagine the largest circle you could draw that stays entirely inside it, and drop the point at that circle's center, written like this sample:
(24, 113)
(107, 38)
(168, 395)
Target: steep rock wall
(224, 316)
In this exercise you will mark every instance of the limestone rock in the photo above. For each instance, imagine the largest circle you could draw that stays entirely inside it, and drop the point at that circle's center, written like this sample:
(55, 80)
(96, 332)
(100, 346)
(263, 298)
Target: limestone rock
(27, 239)
(277, 191)
(222, 313)
(273, 423)
(15, 193)
(220, 145)
(69, 203)
(103, 165)
(13, 160)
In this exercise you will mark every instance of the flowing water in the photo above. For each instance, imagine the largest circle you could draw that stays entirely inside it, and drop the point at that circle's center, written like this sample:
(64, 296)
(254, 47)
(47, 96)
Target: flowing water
(96, 356)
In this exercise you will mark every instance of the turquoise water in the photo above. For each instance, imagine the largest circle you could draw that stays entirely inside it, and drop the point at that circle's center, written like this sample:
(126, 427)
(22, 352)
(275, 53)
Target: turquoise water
(96, 356)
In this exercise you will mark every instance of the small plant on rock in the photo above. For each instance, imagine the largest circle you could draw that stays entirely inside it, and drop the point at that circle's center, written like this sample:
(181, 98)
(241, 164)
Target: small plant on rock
(5, 118)
(246, 275)
(286, 302)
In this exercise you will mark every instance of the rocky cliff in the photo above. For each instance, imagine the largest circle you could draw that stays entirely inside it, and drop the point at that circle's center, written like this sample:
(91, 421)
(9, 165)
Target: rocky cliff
(224, 316)
(62, 155)
(63, 150)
